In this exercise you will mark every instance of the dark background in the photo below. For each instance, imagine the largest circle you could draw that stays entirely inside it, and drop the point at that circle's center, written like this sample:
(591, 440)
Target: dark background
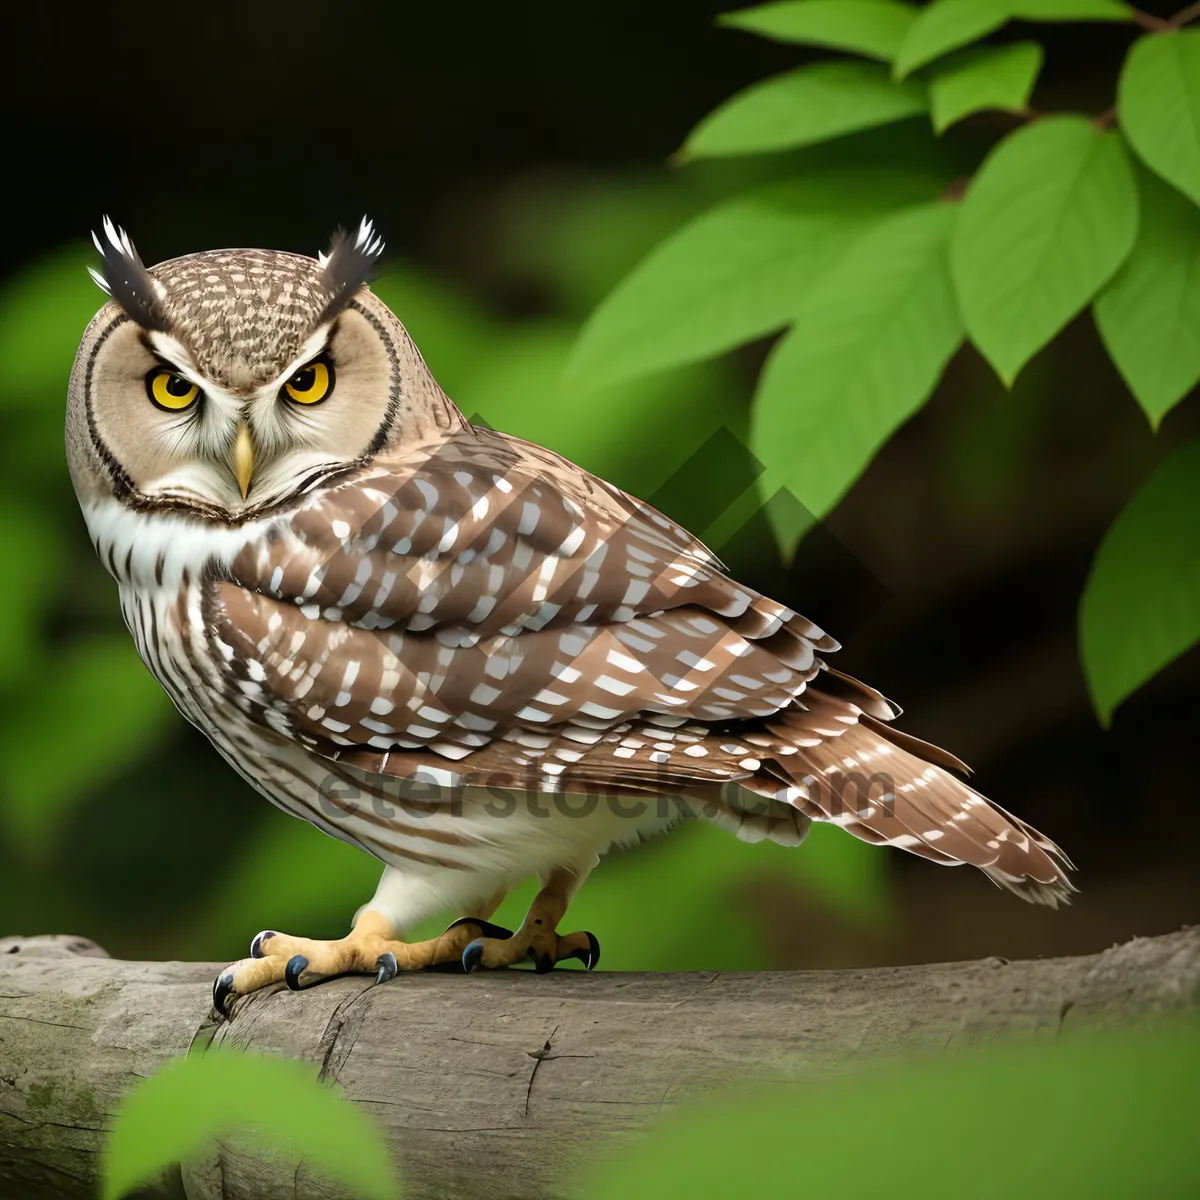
(514, 157)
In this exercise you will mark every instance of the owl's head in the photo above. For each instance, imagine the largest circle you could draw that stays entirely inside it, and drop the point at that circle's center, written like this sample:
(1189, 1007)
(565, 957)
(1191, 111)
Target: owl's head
(227, 382)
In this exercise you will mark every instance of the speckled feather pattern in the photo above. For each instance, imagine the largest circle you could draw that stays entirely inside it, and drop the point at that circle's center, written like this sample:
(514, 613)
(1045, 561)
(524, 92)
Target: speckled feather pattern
(242, 313)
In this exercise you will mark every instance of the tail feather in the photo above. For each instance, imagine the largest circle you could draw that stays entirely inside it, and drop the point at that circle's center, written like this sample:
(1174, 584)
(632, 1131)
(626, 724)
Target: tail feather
(847, 767)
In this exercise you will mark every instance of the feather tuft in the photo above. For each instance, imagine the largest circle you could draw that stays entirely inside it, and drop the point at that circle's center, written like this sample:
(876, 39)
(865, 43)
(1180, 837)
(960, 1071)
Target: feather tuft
(349, 265)
(124, 277)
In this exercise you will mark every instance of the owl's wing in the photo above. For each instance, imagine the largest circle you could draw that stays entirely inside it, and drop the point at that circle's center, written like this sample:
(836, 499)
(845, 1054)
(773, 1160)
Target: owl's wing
(431, 602)
(493, 536)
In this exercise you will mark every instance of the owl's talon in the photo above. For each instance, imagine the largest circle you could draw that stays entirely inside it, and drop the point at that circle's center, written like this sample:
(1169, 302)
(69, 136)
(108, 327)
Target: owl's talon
(387, 967)
(222, 989)
(292, 972)
(486, 928)
(256, 946)
(543, 964)
(472, 956)
(589, 955)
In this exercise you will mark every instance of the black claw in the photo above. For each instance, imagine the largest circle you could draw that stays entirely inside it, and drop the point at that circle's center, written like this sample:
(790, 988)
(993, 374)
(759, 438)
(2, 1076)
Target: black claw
(387, 967)
(221, 992)
(256, 950)
(472, 956)
(542, 963)
(292, 972)
(589, 957)
(592, 960)
(485, 927)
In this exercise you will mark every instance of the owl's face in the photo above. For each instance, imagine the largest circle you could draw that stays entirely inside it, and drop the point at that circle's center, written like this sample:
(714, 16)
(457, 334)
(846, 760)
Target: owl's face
(225, 382)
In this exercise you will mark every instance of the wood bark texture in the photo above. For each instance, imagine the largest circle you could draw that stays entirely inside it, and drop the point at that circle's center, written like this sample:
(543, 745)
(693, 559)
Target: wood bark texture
(456, 1069)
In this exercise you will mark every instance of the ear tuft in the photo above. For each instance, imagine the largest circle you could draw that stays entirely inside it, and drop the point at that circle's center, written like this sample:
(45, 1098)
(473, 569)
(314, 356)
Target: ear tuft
(126, 280)
(349, 264)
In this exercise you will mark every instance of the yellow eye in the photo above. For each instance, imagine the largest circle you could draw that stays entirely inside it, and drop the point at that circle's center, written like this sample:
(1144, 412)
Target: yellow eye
(171, 391)
(311, 384)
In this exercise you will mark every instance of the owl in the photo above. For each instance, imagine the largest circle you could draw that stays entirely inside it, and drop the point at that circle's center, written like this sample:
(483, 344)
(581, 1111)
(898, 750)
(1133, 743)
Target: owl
(447, 646)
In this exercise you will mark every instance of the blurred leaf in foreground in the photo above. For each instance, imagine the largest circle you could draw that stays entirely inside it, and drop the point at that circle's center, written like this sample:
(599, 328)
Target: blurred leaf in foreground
(1102, 1115)
(273, 1104)
(1141, 606)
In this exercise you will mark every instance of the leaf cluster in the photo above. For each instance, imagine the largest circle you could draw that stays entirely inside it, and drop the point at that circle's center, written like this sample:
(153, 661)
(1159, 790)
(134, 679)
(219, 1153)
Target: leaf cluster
(877, 277)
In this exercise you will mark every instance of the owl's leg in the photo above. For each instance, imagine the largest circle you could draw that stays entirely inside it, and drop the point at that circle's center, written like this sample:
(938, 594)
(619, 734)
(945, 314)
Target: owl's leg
(538, 938)
(371, 948)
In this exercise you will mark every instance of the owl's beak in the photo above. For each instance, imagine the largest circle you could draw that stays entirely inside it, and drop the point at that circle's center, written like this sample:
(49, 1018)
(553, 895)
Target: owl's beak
(243, 459)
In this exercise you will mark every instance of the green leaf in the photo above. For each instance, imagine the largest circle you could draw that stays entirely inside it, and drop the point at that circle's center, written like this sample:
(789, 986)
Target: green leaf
(1002, 78)
(866, 351)
(1046, 222)
(802, 107)
(184, 1107)
(1158, 106)
(945, 25)
(91, 710)
(1141, 606)
(1070, 10)
(1149, 315)
(871, 27)
(926, 1128)
(735, 273)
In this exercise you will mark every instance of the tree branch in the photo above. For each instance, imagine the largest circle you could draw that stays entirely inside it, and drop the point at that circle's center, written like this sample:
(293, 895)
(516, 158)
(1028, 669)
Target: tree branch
(507, 1083)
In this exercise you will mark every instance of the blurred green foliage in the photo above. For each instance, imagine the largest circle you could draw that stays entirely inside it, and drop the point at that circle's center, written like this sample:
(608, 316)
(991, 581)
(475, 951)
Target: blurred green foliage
(1100, 1115)
(274, 1105)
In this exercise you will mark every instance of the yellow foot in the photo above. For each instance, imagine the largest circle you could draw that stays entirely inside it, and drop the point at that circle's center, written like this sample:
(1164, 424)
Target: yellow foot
(369, 949)
(543, 946)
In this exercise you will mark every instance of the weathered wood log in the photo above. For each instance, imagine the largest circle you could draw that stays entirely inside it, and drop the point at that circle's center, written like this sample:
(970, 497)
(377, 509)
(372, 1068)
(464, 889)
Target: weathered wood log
(456, 1069)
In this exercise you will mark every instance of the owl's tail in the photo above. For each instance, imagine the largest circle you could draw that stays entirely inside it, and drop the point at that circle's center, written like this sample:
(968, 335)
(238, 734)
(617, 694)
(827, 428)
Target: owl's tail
(834, 757)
